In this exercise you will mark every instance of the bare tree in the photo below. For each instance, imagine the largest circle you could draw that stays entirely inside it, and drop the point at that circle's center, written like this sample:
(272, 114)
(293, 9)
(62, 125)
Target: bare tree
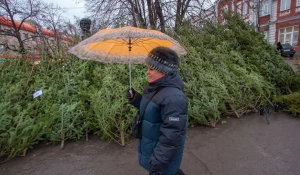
(182, 6)
(12, 10)
(51, 17)
(154, 14)
(109, 12)
(160, 15)
(151, 14)
(72, 31)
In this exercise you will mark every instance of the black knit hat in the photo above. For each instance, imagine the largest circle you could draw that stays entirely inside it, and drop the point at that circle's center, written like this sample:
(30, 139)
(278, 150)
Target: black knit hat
(163, 59)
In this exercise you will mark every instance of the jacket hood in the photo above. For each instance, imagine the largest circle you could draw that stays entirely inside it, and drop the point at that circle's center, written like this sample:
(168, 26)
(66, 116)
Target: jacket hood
(169, 80)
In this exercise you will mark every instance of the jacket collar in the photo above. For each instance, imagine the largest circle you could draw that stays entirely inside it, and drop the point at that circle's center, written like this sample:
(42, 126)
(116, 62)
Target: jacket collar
(169, 80)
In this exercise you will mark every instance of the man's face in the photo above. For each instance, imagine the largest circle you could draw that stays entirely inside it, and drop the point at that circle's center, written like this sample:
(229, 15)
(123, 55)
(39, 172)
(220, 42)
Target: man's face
(153, 74)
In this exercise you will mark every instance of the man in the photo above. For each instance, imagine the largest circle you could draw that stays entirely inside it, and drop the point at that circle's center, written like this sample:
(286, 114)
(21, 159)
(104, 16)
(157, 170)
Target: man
(279, 46)
(164, 122)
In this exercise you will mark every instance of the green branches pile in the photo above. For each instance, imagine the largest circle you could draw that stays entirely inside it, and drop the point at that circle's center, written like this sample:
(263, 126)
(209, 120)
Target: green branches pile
(18, 129)
(111, 110)
(292, 101)
(230, 70)
(79, 98)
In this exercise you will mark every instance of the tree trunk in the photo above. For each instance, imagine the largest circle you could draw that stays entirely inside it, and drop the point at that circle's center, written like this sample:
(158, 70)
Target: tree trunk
(21, 44)
(151, 16)
(137, 10)
(160, 15)
(177, 19)
(180, 12)
(21, 49)
(132, 13)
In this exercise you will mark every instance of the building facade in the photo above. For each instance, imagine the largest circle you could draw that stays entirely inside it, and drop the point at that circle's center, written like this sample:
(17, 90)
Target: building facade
(278, 19)
(35, 38)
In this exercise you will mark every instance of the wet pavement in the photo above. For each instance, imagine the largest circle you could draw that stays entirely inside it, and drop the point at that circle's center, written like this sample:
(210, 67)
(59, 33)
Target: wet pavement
(245, 146)
(294, 62)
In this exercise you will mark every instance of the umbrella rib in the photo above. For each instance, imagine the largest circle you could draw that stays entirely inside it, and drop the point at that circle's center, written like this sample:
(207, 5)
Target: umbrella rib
(139, 40)
(147, 49)
(154, 42)
(109, 52)
(112, 49)
(91, 49)
(124, 40)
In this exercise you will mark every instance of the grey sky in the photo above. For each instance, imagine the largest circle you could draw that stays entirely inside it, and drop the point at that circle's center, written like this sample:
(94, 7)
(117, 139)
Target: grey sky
(76, 7)
(72, 7)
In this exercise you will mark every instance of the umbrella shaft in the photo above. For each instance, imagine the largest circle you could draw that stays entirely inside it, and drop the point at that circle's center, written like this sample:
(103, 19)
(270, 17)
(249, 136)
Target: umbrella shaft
(129, 47)
(129, 74)
(129, 43)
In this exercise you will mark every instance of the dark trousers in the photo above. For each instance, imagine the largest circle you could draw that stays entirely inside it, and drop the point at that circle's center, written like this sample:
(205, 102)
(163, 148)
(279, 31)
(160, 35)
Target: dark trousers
(179, 172)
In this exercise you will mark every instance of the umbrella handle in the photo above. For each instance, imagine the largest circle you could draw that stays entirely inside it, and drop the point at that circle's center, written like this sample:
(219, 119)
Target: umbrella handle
(131, 94)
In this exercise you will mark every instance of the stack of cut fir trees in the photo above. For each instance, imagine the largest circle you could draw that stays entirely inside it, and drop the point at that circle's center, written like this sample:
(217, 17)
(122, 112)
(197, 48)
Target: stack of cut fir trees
(230, 70)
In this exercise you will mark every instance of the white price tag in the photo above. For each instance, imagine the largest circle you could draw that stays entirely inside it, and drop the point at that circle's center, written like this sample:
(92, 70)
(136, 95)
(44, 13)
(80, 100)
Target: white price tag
(37, 93)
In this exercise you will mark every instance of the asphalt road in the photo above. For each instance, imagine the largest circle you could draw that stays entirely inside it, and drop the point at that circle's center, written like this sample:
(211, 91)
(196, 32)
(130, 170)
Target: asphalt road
(245, 146)
(292, 63)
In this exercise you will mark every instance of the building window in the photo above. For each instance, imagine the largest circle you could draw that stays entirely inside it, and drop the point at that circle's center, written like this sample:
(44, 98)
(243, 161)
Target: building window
(264, 8)
(298, 3)
(239, 8)
(245, 8)
(25, 36)
(12, 47)
(289, 35)
(266, 35)
(31, 37)
(224, 10)
(285, 5)
(2, 47)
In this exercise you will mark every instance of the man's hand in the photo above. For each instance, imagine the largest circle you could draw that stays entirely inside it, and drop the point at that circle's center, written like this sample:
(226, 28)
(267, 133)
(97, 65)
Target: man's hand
(154, 171)
(130, 93)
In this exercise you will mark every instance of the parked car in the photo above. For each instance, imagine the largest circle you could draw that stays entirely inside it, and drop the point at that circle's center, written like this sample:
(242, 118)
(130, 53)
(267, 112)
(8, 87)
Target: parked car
(287, 50)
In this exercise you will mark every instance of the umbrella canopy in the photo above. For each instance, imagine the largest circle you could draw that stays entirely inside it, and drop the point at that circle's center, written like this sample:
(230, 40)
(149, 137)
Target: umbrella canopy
(124, 45)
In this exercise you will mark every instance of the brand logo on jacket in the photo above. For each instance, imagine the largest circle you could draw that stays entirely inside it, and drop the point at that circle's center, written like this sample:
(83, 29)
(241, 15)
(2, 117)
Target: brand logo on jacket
(174, 119)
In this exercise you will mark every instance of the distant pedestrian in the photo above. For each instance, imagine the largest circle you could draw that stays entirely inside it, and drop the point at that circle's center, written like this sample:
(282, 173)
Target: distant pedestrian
(164, 121)
(279, 46)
